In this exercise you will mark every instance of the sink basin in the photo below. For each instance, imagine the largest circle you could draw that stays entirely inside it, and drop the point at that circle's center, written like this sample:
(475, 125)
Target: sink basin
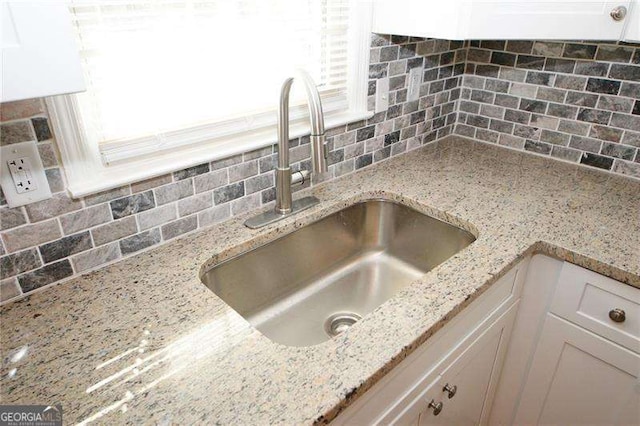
(315, 282)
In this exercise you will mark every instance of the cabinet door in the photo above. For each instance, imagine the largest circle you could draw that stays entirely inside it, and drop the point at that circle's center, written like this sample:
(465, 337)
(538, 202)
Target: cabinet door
(473, 374)
(39, 52)
(577, 377)
(536, 19)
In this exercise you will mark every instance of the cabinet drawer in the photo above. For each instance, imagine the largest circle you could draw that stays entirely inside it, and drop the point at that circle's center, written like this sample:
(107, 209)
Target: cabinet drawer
(586, 299)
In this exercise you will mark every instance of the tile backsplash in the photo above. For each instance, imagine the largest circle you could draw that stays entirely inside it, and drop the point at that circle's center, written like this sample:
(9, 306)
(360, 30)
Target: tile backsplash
(55, 239)
(573, 101)
(576, 101)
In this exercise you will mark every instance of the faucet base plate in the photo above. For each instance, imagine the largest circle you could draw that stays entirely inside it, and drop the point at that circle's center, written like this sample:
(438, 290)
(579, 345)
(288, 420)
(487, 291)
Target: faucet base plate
(271, 216)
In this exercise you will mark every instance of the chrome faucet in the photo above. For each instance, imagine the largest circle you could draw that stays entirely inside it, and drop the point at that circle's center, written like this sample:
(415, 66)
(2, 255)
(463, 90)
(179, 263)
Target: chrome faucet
(285, 206)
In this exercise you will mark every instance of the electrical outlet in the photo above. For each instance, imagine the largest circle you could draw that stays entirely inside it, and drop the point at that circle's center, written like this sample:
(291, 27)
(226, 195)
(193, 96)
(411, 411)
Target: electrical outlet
(382, 94)
(415, 78)
(20, 170)
(22, 174)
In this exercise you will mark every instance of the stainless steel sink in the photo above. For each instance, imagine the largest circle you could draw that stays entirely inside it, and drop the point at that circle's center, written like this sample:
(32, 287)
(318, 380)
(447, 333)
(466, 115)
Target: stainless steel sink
(314, 283)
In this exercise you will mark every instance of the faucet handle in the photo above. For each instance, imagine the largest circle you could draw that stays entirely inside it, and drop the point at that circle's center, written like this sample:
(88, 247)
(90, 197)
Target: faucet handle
(300, 177)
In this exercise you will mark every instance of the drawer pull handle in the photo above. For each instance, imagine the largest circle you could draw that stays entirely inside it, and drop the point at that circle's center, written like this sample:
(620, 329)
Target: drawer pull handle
(437, 407)
(617, 315)
(450, 390)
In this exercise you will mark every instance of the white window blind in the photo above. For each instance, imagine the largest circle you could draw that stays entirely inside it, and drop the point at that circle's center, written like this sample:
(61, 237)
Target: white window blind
(168, 73)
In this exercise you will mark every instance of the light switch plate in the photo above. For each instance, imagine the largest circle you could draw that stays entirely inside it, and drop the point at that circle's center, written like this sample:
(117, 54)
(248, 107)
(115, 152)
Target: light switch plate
(28, 173)
(382, 94)
(415, 79)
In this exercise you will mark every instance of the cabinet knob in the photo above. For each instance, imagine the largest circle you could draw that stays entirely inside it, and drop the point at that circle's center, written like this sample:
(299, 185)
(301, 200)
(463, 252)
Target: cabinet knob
(617, 315)
(437, 407)
(450, 390)
(619, 13)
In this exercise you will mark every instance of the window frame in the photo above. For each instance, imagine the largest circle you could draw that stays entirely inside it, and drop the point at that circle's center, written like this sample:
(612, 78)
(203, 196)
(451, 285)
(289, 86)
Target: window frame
(84, 165)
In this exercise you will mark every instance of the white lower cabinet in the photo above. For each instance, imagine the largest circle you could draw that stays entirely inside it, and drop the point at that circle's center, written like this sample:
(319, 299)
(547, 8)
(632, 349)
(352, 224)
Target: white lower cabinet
(463, 393)
(548, 343)
(578, 377)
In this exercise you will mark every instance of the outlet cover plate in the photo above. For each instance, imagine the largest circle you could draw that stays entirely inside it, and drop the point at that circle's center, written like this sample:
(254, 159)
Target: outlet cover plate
(16, 151)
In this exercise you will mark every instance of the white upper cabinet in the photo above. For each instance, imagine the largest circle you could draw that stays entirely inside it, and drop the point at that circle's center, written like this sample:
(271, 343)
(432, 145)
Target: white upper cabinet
(39, 53)
(515, 19)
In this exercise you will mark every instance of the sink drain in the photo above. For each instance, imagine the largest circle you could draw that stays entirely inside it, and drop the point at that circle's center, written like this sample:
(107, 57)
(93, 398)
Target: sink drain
(337, 323)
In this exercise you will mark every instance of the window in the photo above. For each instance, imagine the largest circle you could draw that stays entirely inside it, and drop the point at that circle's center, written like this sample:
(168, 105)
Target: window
(174, 83)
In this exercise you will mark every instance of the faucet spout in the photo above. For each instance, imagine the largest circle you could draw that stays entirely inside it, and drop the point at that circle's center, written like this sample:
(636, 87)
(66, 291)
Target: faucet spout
(284, 203)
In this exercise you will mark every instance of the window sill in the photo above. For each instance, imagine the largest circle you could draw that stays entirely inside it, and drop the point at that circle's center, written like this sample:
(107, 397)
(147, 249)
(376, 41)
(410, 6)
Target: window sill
(92, 178)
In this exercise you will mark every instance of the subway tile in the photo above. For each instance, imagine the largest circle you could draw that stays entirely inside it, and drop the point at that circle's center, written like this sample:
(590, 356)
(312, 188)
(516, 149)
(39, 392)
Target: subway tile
(223, 163)
(11, 217)
(155, 217)
(214, 215)
(562, 111)
(16, 132)
(17, 263)
(21, 109)
(594, 115)
(566, 154)
(145, 185)
(41, 128)
(585, 144)
(595, 69)
(191, 171)
(65, 247)
(599, 85)
(581, 99)
(595, 160)
(179, 227)
(97, 257)
(615, 103)
(618, 151)
(114, 230)
(109, 195)
(139, 241)
(244, 170)
(9, 289)
(173, 192)
(614, 53)
(57, 205)
(132, 204)
(537, 147)
(605, 133)
(195, 204)
(579, 51)
(48, 274)
(31, 235)
(559, 65)
(54, 179)
(570, 82)
(627, 168)
(86, 218)
(625, 72)
(245, 204)
(228, 193)
(547, 48)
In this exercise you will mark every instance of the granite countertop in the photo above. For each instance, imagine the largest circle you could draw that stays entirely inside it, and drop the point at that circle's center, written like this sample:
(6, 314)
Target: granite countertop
(143, 341)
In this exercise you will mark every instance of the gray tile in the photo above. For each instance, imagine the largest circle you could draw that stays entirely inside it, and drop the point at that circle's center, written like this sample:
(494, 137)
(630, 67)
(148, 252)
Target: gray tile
(245, 204)
(226, 162)
(94, 258)
(257, 153)
(158, 216)
(109, 195)
(244, 170)
(567, 154)
(151, 183)
(17, 263)
(614, 53)
(173, 192)
(624, 121)
(31, 235)
(179, 227)
(65, 247)
(114, 230)
(228, 193)
(615, 103)
(41, 128)
(585, 144)
(86, 218)
(46, 275)
(9, 289)
(47, 155)
(57, 205)
(627, 168)
(191, 171)
(10, 218)
(140, 241)
(619, 151)
(132, 204)
(214, 215)
(19, 131)
(195, 204)
(54, 178)
(605, 133)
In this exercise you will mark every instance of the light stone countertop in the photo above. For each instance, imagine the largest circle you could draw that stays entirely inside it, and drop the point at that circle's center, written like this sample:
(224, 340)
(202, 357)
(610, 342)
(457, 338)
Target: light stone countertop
(143, 341)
